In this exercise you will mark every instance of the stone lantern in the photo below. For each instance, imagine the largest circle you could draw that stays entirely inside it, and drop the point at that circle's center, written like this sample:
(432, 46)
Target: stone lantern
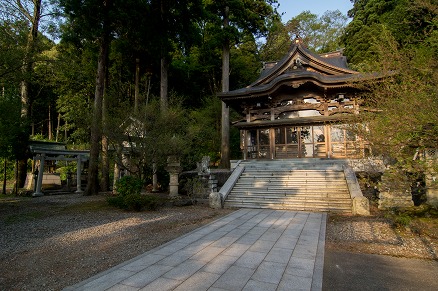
(174, 168)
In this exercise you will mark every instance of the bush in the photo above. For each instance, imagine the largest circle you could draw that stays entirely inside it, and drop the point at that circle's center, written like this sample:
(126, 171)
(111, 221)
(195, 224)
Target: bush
(129, 185)
(136, 202)
(129, 197)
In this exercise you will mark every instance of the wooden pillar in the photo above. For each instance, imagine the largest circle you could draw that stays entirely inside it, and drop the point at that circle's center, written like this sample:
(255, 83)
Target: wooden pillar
(39, 184)
(327, 140)
(272, 142)
(245, 144)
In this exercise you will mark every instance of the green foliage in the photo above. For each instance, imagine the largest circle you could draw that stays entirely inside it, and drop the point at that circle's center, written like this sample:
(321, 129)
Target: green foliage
(406, 123)
(64, 170)
(12, 134)
(129, 185)
(129, 196)
(193, 187)
(245, 16)
(410, 22)
(9, 169)
(136, 202)
(13, 35)
(319, 34)
(277, 42)
(204, 130)
(150, 136)
(412, 217)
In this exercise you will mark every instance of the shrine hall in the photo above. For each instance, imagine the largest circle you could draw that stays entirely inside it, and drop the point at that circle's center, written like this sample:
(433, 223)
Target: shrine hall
(300, 107)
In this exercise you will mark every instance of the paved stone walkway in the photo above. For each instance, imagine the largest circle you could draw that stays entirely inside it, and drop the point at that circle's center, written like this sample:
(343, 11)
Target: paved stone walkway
(250, 249)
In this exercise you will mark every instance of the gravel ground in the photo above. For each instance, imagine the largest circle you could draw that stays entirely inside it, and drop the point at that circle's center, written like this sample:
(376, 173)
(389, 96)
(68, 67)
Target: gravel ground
(52, 242)
(377, 235)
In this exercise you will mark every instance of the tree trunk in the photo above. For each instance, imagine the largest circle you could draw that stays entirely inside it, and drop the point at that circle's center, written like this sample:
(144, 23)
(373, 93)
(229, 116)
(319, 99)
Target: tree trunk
(137, 86)
(105, 157)
(96, 127)
(27, 70)
(5, 164)
(34, 19)
(49, 125)
(164, 65)
(15, 190)
(105, 164)
(58, 126)
(164, 101)
(225, 129)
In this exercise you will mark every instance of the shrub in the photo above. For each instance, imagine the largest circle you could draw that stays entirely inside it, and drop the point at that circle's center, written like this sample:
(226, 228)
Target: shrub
(129, 185)
(129, 197)
(136, 202)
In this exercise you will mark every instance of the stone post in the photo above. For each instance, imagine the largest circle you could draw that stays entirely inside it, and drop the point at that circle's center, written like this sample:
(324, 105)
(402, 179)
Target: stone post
(174, 168)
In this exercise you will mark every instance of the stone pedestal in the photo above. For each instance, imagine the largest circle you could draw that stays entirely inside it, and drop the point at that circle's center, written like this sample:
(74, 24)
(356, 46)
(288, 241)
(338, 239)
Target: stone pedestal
(174, 168)
(361, 206)
(215, 200)
(395, 190)
(212, 183)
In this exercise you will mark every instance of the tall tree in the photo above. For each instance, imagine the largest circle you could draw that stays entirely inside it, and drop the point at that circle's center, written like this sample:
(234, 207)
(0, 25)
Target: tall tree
(409, 21)
(95, 21)
(236, 17)
(176, 25)
(407, 120)
(320, 34)
(30, 12)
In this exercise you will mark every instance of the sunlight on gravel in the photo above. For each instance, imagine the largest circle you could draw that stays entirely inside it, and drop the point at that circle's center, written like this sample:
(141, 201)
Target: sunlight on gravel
(103, 230)
(366, 231)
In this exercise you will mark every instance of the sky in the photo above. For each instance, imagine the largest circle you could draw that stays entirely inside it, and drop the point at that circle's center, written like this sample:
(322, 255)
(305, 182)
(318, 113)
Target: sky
(292, 8)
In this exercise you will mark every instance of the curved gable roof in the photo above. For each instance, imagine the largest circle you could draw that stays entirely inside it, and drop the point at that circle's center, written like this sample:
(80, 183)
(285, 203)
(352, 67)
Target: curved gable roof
(298, 54)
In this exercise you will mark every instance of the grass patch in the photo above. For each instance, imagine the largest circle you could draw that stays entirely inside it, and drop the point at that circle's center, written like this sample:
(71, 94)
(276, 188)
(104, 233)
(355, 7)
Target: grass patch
(136, 202)
(23, 217)
(420, 218)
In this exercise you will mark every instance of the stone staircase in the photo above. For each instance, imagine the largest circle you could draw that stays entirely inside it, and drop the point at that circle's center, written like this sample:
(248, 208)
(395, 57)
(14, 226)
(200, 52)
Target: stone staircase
(299, 184)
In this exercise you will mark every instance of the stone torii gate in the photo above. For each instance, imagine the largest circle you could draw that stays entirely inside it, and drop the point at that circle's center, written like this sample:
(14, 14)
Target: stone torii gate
(45, 154)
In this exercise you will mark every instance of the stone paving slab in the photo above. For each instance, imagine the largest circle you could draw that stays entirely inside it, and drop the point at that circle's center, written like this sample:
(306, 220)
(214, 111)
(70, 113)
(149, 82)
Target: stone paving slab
(249, 249)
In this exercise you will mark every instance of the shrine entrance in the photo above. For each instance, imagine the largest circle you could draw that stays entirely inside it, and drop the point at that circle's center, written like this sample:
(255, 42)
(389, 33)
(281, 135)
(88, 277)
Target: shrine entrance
(307, 141)
(299, 142)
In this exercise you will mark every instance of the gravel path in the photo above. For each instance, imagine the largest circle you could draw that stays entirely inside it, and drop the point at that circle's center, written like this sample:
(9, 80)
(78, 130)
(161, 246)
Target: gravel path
(51, 242)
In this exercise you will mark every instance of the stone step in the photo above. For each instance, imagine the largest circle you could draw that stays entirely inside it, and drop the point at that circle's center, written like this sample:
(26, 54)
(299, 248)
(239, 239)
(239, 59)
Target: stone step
(291, 200)
(290, 194)
(289, 177)
(297, 185)
(293, 171)
(291, 187)
(296, 167)
(285, 182)
(283, 190)
(290, 174)
(303, 206)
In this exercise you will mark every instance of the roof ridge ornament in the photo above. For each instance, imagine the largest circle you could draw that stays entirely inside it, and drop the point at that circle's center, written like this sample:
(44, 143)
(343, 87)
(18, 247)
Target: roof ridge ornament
(298, 40)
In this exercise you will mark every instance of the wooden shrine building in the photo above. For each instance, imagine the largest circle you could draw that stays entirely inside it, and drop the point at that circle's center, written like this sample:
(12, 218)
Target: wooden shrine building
(299, 106)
